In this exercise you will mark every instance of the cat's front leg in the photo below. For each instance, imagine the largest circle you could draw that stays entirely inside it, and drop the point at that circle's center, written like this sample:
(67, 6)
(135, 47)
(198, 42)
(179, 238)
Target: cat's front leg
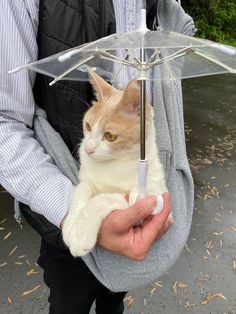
(84, 232)
(81, 195)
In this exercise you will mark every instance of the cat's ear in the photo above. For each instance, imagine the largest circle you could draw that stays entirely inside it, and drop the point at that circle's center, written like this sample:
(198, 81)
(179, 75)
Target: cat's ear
(131, 98)
(100, 86)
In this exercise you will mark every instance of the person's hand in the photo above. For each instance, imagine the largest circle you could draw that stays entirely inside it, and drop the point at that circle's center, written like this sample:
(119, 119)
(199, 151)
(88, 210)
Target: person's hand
(119, 234)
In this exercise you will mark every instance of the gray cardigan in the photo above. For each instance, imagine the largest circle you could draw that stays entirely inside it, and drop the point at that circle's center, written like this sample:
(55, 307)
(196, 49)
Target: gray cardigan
(116, 272)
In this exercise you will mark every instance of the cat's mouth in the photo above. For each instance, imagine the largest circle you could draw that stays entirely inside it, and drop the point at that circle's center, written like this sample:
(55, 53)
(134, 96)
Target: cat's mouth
(104, 158)
(98, 157)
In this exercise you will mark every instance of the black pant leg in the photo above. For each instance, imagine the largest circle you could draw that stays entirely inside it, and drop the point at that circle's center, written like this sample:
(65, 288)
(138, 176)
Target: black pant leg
(67, 296)
(108, 302)
(73, 287)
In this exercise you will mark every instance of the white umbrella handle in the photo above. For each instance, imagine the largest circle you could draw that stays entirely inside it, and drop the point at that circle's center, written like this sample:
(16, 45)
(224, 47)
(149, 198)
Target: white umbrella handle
(142, 178)
(143, 167)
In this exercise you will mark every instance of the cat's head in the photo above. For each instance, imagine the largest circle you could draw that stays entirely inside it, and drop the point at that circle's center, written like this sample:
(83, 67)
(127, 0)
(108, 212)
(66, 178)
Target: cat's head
(112, 125)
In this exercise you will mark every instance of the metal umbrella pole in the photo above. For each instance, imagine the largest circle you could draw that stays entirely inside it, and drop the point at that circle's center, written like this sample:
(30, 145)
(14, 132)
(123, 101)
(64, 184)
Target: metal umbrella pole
(143, 162)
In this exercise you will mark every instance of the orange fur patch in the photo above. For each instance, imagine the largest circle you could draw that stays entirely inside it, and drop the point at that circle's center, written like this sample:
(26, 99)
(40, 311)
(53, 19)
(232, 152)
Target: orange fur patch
(117, 112)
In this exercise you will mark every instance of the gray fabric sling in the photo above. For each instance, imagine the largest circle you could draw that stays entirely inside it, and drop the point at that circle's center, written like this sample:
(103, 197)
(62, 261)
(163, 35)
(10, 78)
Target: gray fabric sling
(116, 272)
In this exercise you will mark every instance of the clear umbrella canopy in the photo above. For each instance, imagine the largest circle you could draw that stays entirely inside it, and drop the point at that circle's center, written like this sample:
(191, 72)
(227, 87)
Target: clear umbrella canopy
(176, 55)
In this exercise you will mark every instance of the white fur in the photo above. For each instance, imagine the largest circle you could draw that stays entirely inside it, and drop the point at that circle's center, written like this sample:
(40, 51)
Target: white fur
(102, 188)
(105, 176)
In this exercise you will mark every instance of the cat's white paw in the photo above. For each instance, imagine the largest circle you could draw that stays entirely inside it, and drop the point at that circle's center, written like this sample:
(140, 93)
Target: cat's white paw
(80, 236)
(81, 228)
(67, 226)
(82, 241)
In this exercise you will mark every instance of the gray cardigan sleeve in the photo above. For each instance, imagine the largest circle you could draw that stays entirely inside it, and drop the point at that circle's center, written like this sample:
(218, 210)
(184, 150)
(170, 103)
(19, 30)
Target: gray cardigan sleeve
(172, 17)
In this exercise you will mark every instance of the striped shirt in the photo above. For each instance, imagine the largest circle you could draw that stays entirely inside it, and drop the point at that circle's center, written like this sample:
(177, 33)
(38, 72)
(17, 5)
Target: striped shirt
(26, 171)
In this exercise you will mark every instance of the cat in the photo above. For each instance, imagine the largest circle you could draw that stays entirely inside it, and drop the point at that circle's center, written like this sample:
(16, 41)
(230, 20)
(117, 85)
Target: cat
(109, 157)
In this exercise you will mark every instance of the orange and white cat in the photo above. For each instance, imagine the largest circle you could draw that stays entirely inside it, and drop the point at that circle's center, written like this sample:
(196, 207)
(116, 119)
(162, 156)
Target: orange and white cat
(109, 156)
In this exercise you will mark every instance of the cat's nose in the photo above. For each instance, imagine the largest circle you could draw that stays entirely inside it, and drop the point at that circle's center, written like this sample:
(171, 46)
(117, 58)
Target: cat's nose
(89, 148)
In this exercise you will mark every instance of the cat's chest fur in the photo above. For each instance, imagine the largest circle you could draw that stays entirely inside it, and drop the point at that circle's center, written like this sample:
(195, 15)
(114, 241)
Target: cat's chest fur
(121, 175)
(109, 176)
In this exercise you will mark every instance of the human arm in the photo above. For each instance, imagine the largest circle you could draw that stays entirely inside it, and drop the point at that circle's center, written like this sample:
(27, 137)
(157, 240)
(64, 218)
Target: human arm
(26, 171)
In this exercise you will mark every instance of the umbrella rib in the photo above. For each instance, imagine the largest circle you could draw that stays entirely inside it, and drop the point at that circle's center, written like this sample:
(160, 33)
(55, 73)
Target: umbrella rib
(75, 66)
(153, 55)
(164, 60)
(216, 62)
(108, 56)
(118, 61)
(177, 54)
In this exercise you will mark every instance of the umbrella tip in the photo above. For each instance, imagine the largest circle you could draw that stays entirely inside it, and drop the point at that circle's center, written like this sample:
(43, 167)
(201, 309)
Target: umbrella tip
(227, 49)
(64, 57)
(52, 82)
(14, 70)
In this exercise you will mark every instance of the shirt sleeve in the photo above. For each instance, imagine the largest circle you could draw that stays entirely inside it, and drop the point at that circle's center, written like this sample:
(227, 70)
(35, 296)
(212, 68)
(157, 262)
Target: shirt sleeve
(26, 171)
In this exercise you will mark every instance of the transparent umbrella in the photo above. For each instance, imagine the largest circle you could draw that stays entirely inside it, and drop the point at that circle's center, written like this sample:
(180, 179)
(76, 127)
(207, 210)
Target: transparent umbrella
(177, 56)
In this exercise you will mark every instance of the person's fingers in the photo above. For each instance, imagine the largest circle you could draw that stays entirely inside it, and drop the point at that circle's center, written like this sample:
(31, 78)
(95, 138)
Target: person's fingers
(146, 221)
(165, 227)
(138, 212)
(166, 197)
(155, 225)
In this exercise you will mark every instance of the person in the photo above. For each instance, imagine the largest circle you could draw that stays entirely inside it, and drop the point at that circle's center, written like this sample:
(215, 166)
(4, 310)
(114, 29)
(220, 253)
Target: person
(36, 29)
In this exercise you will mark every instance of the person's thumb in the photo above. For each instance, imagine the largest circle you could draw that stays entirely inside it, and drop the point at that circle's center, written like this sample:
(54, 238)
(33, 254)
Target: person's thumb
(136, 213)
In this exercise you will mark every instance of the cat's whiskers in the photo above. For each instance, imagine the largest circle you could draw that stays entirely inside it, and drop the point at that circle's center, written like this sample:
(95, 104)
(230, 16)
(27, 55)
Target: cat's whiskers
(75, 152)
(77, 158)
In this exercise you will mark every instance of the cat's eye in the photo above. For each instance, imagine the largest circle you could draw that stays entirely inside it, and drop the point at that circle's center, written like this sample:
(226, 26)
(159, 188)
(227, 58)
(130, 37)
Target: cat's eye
(88, 127)
(110, 137)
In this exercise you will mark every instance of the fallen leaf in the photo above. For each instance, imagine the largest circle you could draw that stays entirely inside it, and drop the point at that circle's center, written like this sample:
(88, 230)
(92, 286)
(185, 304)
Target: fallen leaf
(189, 305)
(30, 291)
(31, 272)
(3, 264)
(152, 291)
(130, 301)
(217, 233)
(233, 228)
(9, 300)
(212, 296)
(7, 236)
(158, 283)
(12, 251)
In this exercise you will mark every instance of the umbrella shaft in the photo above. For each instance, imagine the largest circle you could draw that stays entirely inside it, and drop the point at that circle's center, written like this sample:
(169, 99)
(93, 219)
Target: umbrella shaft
(142, 120)
(143, 110)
